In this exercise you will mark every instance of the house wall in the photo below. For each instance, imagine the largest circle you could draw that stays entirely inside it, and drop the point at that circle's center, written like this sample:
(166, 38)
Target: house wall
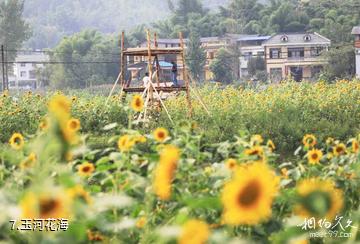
(285, 62)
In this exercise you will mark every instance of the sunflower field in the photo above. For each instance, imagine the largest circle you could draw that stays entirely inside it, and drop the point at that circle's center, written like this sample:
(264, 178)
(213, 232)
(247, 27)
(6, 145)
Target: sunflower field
(243, 174)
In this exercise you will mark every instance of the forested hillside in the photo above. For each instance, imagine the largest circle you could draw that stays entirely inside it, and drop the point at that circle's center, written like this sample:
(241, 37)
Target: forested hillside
(52, 19)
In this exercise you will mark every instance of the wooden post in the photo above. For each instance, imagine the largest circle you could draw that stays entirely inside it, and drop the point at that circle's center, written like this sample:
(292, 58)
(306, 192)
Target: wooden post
(155, 40)
(185, 76)
(6, 70)
(149, 63)
(3, 68)
(157, 62)
(122, 67)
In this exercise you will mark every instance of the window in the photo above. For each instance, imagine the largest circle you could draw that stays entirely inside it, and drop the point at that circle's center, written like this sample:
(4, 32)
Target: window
(275, 53)
(261, 54)
(307, 38)
(23, 74)
(23, 64)
(247, 55)
(211, 55)
(284, 38)
(295, 52)
(32, 74)
(316, 51)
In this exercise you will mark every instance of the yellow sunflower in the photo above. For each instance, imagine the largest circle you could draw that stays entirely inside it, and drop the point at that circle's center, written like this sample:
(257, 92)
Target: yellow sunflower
(270, 144)
(248, 197)
(354, 146)
(314, 156)
(255, 151)
(165, 171)
(137, 103)
(78, 192)
(60, 106)
(86, 169)
(74, 125)
(95, 236)
(44, 124)
(69, 135)
(330, 141)
(256, 140)
(194, 232)
(309, 140)
(231, 163)
(46, 205)
(160, 134)
(284, 173)
(28, 162)
(139, 139)
(339, 149)
(318, 198)
(140, 223)
(16, 141)
(125, 143)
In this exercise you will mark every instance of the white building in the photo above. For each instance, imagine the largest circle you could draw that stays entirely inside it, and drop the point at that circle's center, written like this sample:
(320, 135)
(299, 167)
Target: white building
(25, 67)
(250, 47)
(356, 32)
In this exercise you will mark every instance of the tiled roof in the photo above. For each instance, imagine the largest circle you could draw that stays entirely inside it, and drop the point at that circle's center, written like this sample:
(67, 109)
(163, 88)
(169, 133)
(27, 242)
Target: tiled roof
(297, 38)
(254, 38)
(32, 57)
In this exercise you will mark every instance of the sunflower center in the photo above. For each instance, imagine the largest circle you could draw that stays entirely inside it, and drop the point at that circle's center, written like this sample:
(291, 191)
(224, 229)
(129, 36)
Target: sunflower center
(48, 205)
(138, 102)
(318, 203)
(314, 156)
(250, 194)
(339, 149)
(161, 134)
(17, 140)
(86, 169)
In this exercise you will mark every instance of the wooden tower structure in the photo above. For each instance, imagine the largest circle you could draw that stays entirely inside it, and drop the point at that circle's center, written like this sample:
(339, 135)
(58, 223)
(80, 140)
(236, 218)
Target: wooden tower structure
(152, 52)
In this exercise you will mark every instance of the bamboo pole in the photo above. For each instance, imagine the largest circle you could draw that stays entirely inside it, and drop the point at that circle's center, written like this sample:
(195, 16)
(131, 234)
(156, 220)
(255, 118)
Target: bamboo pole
(150, 68)
(186, 78)
(122, 68)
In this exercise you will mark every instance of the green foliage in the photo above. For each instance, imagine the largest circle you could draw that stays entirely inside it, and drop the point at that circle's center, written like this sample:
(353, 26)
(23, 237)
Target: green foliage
(195, 56)
(256, 64)
(341, 63)
(86, 59)
(13, 28)
(284, 113)
(222, 66)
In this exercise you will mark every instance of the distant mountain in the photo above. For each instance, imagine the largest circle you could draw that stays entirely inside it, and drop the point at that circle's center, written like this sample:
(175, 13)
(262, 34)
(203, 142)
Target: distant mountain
(53, 19)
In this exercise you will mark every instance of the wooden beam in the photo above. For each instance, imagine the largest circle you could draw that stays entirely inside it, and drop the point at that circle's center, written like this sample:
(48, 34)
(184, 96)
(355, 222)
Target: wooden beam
(165, 89)
(150, 67)
(185, 76)
(122, 68)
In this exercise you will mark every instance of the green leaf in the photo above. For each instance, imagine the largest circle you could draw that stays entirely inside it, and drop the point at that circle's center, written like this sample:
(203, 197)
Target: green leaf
(204, 202)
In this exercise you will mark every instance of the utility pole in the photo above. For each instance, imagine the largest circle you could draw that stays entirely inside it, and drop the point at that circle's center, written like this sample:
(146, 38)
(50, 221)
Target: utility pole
(3, 68)
(6, 69)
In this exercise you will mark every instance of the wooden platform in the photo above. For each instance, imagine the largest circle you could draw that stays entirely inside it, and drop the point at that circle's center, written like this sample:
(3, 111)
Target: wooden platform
(159, 89)
(143, 51)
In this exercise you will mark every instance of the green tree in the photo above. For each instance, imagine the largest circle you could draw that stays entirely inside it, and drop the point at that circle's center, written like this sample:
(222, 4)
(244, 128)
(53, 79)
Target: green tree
(341, 63)
(13, 28)
(87, 58)
(255, 65)
(195, 56)
(221, 67)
